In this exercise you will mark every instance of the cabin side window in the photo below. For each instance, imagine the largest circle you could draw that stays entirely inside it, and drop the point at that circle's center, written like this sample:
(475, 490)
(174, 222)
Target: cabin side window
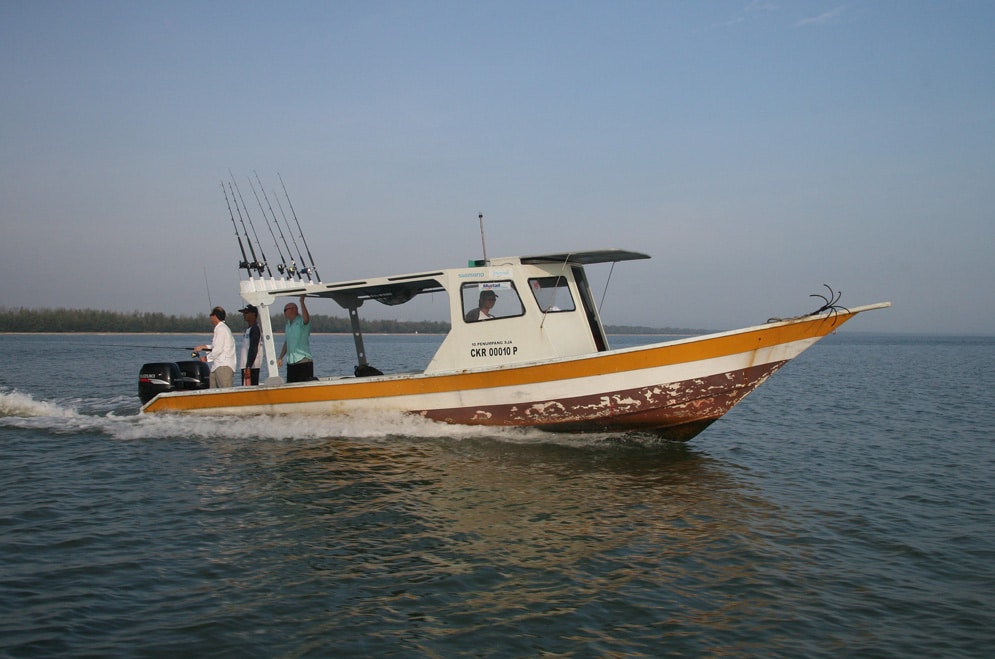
(490, 300)
(552, 294)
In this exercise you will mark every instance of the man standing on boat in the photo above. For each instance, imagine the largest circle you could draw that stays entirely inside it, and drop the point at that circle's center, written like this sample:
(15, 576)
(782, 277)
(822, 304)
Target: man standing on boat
(222, 352)
(297, 343)
(252, 354)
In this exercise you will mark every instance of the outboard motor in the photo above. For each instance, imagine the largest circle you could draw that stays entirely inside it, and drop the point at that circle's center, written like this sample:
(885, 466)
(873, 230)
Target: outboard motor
(196, 374)
(156, 378)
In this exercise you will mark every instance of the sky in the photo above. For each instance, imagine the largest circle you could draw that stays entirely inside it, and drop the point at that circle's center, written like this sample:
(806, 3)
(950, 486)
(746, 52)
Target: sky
(757, 150)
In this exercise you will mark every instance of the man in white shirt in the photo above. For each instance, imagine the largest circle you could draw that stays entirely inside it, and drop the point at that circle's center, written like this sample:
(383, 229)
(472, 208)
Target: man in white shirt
(222, 352)
(483, 309)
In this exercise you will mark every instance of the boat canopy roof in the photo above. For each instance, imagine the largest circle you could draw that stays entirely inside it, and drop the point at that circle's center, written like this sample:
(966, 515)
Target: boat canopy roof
(399, 289)
(388, 290)
(586, 258)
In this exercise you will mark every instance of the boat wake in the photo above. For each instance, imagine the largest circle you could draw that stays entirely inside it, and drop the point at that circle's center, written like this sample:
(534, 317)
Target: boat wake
(18, 405)
(118, 418)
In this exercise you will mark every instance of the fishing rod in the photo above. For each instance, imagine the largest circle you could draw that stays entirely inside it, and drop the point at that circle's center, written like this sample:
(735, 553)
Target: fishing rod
(193, 351)
(253, 227)
(245, 260)
(123, 345)
(282, 265)
(293, 267)
(255, 265)
(208, 286)
(313, 267)
(259, 265)
(280, 206)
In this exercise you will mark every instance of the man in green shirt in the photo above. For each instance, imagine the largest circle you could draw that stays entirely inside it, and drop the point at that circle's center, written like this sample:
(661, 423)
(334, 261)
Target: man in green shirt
(297, 343)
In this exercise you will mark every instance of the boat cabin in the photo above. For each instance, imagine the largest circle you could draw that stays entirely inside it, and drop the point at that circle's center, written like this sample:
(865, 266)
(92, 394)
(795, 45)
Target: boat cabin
(503, 311)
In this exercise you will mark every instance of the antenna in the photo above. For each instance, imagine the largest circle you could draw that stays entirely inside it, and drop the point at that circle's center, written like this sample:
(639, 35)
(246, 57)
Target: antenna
(483, 244)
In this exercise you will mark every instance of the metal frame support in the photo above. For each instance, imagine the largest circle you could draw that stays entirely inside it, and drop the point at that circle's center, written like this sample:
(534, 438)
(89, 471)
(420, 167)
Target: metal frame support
(357, 336)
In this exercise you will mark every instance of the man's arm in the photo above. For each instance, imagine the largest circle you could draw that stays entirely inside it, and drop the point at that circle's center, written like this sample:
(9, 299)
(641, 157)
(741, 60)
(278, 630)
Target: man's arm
(304, 313)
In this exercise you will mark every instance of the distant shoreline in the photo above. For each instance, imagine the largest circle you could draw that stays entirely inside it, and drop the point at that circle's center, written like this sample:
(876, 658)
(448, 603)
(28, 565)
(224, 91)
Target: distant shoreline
(668, 334)
(206, 332)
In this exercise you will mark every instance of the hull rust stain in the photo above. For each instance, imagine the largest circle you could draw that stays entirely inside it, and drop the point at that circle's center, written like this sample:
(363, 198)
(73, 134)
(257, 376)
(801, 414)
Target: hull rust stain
(672, 408)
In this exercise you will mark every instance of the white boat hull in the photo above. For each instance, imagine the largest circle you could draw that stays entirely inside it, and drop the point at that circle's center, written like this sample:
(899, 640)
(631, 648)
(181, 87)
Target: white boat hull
(673, 389)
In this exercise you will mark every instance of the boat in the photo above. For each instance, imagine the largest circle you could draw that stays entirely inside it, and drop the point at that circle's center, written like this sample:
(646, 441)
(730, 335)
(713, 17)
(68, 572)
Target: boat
(542, 360)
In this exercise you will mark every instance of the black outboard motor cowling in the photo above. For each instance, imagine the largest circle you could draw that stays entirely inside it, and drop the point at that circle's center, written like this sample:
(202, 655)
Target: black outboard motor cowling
(196, 374)
(156, 378)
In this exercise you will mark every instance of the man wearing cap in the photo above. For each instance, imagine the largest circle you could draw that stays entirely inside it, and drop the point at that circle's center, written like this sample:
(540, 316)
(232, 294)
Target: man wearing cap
(252, 354)
(222, 356)
(483, 311)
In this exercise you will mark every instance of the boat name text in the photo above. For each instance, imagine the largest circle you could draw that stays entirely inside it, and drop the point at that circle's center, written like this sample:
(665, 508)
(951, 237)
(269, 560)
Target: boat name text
(493, 349)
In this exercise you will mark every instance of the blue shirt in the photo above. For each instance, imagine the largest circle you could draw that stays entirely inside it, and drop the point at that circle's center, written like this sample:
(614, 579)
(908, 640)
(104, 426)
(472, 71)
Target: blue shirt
(298, 337)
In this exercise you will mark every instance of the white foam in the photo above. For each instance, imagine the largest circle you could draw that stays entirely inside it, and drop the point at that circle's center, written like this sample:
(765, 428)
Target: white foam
(22, 410)
(369, 425)
(15, 404)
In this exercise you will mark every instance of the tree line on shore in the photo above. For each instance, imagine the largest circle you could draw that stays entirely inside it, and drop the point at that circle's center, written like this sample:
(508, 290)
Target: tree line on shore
(144, 322)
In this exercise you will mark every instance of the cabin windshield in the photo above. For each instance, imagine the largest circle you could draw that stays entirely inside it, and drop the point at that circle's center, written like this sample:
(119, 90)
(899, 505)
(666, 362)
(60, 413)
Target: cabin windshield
(552, 294)
(491, 300)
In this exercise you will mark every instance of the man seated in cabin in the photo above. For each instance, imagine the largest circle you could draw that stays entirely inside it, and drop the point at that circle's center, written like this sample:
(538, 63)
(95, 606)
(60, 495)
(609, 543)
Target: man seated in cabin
(483, 310)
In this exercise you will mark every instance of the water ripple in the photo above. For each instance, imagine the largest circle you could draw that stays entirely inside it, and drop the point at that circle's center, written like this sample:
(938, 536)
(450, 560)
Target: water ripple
(817, 519)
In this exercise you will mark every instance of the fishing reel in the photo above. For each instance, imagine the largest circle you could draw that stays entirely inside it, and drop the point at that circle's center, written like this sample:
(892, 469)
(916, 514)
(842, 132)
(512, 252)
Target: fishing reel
(258, 266)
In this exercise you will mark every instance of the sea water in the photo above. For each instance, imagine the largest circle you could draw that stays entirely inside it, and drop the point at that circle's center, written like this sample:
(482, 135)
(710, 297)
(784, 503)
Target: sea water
(846, 508)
